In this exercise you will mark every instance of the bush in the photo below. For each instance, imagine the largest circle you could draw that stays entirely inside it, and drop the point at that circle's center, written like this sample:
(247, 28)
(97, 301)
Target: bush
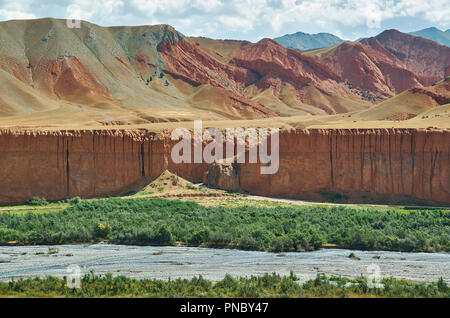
(164, 236)
(199, 237)
(74, 201)
(37, 201)
(442, 286)
(7, 235)
(268, 285)
(221, 238)
(101, 230)
(162, 221)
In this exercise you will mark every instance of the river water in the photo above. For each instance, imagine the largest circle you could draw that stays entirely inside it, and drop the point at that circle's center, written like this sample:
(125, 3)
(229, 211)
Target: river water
(213, 264)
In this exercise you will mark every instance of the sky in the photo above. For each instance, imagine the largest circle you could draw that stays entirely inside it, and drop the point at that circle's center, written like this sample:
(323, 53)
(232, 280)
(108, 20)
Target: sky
(246, 19)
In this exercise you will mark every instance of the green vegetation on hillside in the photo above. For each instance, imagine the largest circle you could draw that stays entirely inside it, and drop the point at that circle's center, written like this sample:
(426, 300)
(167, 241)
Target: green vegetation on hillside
(164, 222)
(441, 81)
(269, 285)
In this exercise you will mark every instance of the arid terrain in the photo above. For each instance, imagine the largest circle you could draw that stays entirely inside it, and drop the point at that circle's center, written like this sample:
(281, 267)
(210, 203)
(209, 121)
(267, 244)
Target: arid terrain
(54, 76)
(88, 112)
(90, 181)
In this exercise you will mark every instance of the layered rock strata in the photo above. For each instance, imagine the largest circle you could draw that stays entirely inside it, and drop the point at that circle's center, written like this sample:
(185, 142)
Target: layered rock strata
(352, 165)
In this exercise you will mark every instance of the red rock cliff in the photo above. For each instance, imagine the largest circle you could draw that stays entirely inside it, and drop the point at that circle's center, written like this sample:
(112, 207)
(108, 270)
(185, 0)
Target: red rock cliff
(358, 165)
(365, 165)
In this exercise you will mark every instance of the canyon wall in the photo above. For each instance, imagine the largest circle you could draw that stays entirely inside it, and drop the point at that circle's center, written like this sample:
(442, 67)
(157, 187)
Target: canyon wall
(358, 165)
(351, 165)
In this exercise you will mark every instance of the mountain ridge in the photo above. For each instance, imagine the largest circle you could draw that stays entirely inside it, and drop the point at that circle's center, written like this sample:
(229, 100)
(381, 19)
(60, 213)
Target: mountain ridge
(426, 58)
(434, 34)
(306, 41)
(148, 74)
(128, 75)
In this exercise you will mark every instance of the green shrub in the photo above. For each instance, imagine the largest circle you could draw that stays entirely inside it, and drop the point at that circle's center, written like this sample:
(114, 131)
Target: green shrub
(101, 230)
(37, 201)
(268, 285)
(7, 234)
(161, 221)
(75, 200)
(442, 286)
(164, 236)
(200, 237)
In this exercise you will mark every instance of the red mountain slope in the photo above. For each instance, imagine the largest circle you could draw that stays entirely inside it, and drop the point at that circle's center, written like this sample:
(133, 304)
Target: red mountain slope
(291, 76)
(425, 58)
(133, 75)
(373, 69)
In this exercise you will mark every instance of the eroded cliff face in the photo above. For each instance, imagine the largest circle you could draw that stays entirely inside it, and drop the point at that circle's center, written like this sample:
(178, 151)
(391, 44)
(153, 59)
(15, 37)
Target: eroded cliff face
(67, 164)
(358, 165)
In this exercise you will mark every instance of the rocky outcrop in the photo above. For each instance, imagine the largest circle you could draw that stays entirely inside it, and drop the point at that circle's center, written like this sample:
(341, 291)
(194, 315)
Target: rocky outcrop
(354, 165)
(223, 175)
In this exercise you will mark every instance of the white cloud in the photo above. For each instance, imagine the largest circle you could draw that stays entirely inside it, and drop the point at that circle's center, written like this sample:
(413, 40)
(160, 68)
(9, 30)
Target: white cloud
(236, 23)
(15, 15)
(251, 18)
(16, 10)
(88, 9)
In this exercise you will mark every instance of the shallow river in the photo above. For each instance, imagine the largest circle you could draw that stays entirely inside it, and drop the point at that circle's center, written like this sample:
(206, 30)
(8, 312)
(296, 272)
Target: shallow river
(213, 264)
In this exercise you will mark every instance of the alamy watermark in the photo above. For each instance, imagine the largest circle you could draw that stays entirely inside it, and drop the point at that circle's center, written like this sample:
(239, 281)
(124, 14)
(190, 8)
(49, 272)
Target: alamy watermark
(74, 14)
(74, 277)
(236, 140)
(374, 276)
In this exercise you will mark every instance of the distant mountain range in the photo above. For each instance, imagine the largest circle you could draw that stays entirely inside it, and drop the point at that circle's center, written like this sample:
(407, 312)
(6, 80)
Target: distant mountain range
(434, 34)
(304, 41)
